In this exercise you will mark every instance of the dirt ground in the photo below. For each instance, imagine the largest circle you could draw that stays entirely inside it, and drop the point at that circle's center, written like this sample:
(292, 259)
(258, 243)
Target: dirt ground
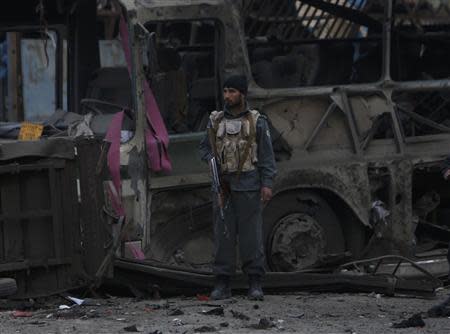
(289, 313)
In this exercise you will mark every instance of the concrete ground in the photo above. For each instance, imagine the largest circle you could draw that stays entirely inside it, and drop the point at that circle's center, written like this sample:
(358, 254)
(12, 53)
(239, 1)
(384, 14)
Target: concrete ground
(289, 313)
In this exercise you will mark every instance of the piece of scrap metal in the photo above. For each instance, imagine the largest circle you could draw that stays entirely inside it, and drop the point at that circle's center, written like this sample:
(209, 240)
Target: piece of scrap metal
(169, 279)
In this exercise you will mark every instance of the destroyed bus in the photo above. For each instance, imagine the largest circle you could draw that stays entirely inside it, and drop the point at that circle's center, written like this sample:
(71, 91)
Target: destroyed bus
(356, 93)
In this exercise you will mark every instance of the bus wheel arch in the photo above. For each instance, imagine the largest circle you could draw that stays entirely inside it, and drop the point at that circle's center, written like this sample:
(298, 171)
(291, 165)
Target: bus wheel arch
(303, 224)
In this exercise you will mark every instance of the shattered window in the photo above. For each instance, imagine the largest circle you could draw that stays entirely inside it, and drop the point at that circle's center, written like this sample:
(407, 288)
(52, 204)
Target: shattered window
(421, 40)
(307, 43)
(184, 79)
(420, 51)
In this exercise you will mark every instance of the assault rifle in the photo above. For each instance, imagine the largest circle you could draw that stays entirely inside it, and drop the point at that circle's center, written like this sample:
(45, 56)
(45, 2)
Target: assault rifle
(216, 187)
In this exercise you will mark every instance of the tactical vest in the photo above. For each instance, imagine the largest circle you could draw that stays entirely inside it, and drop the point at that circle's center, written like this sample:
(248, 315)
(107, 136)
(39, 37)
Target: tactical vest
(235, 141)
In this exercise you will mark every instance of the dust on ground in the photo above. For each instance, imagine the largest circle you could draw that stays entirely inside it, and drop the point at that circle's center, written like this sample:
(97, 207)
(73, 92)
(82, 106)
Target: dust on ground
(289, 313)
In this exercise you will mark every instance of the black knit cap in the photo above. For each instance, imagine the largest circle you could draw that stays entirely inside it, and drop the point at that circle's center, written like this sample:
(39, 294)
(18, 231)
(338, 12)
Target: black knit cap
(238, 82)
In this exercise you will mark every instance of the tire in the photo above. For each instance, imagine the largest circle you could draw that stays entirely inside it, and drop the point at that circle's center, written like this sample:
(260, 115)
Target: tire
(8, 287)
(299, 228)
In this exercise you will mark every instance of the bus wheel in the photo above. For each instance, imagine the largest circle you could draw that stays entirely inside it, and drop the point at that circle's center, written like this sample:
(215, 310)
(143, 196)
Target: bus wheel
(299, 229)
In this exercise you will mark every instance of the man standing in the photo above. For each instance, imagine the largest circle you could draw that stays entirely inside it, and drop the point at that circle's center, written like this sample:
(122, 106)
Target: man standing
(239, 139)
(446, 175)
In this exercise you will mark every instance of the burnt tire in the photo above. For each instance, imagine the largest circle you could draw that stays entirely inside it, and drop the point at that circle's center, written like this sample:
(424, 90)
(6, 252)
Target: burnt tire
(299, 228)
(8, 287)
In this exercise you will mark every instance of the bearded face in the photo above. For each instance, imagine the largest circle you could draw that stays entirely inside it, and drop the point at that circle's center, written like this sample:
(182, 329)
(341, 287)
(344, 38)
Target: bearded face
(232, 98)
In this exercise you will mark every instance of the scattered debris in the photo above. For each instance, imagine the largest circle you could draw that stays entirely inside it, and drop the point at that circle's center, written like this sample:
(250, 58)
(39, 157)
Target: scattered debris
(239, 315)
(132, 328)
(63, 307)
(205, 329)
(174, 312)
(22, 314)
(279, 324)
(345, 279)
(177, 322)
(297, 316)
(164, 305)
(76, 312)
(414, 321)
(152, 307)
(76, 300)
(203, 298)
(264, 323)
(214, 311)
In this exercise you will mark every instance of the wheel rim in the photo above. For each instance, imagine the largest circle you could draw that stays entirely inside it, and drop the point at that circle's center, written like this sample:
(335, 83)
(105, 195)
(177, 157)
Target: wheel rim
(297, 241)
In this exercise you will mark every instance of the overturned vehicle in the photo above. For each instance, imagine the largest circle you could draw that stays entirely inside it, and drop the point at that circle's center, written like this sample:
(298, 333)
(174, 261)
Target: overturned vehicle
(356, 93)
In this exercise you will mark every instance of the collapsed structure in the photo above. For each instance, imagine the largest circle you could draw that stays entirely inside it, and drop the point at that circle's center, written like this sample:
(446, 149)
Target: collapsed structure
(356, 95)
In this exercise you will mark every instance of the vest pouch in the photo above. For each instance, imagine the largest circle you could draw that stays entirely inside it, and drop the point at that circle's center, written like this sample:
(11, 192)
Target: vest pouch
(233, 126)
(230, 155)
(248, 165)
(221, 130)
(245, 128)
(254, 153)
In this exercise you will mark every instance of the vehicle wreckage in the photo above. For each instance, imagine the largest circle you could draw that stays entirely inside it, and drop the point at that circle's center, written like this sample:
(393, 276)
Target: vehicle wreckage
(356, 93)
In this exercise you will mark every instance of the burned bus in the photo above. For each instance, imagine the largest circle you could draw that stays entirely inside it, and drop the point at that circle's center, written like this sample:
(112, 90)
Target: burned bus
(356, 95)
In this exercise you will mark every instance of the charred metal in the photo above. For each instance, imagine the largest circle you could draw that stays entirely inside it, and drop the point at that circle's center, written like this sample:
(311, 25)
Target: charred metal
(357, 96)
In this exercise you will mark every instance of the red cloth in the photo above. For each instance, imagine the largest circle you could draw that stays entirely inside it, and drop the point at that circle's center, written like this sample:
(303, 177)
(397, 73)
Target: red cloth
(156, 136)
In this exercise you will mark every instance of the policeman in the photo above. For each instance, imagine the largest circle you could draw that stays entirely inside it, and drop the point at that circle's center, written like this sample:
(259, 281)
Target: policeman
(446, 175)
(240, 140)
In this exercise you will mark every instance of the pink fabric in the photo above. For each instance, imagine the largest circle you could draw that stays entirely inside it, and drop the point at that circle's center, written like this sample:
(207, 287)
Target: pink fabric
(115, 186)
(156, 136)
(113, 137)
(136, 252)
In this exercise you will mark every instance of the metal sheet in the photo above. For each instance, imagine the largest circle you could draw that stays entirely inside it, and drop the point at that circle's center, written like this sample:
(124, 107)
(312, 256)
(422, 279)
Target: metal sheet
(38, 78)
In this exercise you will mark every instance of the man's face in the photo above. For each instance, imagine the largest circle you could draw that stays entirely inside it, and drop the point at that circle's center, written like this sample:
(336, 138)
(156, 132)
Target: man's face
(232, 97)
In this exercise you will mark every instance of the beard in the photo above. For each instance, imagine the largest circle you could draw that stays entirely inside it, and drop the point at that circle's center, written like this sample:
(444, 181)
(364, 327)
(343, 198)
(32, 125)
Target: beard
(233, 104)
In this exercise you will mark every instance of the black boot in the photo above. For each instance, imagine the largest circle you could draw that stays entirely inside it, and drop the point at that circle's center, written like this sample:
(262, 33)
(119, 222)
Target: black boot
(255, 291)
(221, 288)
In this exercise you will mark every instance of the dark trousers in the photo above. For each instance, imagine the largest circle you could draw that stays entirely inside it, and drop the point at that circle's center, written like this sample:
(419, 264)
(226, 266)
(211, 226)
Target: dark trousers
(243, 219)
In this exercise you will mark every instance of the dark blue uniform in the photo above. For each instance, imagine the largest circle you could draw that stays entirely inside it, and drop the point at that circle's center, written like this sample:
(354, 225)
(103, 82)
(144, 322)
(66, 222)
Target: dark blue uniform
(243, 207)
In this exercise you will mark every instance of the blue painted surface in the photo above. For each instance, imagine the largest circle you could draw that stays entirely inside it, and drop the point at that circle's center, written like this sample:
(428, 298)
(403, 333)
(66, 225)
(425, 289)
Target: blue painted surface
(38, 79)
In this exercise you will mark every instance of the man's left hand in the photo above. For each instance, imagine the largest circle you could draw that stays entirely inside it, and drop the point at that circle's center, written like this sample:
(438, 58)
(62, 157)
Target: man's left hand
(266, 194)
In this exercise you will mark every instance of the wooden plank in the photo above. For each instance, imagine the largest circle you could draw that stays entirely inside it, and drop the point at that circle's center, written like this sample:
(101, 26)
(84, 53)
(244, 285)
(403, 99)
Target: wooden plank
(15, 107)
